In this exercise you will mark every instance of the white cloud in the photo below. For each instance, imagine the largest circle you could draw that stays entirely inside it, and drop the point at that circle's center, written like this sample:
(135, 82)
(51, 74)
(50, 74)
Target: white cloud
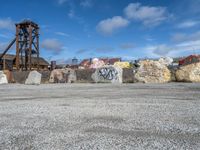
(188, 24)
(189, 45)
(105, 49)
(62, 34)
(7, 24)
(52, 45)
(86, 3)
(3, 46)
(60, 2)
(180, 37)
(127, 46)
(81, 51)
(108, 26)
(161, 50)
(150, 16)
(4, 36)
(173, 50)
(71, 13)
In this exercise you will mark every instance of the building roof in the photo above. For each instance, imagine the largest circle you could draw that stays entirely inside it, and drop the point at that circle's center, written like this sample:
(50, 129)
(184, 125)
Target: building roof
(110, 61)
(189, 59)
(42, 61)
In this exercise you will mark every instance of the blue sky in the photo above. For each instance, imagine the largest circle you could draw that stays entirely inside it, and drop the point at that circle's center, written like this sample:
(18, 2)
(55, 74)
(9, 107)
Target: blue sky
(107, 28)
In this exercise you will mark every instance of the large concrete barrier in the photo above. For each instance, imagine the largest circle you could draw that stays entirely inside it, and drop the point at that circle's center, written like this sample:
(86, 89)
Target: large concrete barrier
(21, 76)
(34, 78)
(80, 76)
(128, 75)
(3, 78)
(84, 75)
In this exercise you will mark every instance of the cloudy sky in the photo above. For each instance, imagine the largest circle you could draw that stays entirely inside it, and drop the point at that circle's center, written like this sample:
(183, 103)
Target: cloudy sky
(113, 28)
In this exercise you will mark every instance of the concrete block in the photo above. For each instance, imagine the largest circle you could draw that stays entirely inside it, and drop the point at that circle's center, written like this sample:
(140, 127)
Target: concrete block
(3, 78)
(85, 75)
(34, 78)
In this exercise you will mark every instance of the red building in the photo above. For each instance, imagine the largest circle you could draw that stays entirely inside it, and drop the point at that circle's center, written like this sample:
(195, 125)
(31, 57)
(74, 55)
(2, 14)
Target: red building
(189, 60)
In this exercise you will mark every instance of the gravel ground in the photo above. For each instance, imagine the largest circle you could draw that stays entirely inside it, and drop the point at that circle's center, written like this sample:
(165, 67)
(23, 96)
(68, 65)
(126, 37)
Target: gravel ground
(100, 116)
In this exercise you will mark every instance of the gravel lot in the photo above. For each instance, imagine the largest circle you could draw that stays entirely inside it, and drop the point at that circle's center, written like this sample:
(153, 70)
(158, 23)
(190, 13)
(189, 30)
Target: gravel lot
(100, 116)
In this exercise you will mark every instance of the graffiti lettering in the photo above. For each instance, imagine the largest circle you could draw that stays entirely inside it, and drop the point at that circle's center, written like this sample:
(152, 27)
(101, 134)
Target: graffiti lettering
(108, 73)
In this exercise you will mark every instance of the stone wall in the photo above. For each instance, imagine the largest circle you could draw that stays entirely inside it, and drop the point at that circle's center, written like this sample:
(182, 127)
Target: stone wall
(21, 76)
(128, 75)
(189, 73)
(84, 75)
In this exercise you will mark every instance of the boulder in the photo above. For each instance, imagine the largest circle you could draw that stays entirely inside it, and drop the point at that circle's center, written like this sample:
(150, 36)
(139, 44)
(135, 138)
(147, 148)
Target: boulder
(189, 73)
(122, 65)
(152, 72)
(70, 75)
(34, 78)
(63, 76)
(3, 78)
(166, 61)
(56, 76)
(108, 74)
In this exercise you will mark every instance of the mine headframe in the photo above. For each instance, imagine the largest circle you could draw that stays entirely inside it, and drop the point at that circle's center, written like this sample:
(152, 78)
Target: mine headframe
(27, 45)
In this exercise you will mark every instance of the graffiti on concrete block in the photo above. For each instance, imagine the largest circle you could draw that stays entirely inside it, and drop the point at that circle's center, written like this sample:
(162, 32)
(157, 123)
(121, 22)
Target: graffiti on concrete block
(108, 73)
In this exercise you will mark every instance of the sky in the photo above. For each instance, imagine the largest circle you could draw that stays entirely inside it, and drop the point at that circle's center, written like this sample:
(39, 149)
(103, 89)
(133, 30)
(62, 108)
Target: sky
(129, 29)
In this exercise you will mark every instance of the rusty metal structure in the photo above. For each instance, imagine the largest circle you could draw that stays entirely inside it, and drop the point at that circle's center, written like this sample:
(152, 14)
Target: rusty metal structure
(27, 45)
